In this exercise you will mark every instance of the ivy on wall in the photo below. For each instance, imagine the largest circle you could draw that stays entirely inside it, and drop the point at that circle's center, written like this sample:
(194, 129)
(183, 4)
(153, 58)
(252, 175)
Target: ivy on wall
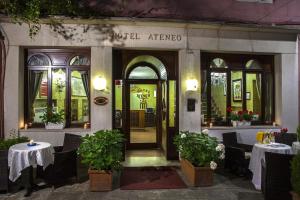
(31, 11)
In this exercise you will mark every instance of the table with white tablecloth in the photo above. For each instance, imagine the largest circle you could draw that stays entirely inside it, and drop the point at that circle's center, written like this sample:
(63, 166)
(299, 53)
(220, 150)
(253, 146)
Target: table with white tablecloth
(21, 156)
(296, 147)
(258, 153)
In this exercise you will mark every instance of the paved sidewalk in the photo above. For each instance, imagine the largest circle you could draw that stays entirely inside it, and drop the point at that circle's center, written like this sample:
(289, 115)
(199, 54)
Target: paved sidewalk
(225, 188)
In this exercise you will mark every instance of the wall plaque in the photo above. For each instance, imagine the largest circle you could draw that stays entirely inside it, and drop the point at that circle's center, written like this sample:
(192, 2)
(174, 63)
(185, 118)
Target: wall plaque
(101, 101)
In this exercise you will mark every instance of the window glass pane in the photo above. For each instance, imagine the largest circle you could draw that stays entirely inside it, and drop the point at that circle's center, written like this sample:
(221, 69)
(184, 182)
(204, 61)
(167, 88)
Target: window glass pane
(218, 63)
(269, 100)
(38, 95)
(172, 103)
(58, 89)
(118, 103)
(237, 90)
(143, 72)
(79, 98)
(203, 97)
(80, 60)
(218, 97)
(143, 99)
(38, 60)
(253, 64)
(253, 94)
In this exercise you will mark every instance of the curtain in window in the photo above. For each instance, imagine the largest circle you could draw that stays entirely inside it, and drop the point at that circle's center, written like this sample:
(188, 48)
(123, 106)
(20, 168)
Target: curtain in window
(35, 79)
(85, 81)
(2, 76)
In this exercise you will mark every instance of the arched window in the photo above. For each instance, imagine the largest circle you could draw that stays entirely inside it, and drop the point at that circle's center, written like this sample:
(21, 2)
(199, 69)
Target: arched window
(79, 60)
(239, 81)
(156, 63)
(218, 63)
(143, 72)
(38, 60)
(253, 64)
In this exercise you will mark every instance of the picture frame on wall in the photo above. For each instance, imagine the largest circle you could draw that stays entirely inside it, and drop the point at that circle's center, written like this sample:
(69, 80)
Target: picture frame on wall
(237, 89)
(248, 95)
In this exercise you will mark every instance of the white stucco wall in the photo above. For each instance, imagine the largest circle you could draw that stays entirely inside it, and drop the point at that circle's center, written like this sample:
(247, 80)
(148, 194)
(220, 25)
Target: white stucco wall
(214, 39)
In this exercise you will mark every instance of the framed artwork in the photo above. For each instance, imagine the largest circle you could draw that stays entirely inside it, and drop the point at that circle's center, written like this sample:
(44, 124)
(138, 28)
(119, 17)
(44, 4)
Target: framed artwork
(248, 95)
(237, 90)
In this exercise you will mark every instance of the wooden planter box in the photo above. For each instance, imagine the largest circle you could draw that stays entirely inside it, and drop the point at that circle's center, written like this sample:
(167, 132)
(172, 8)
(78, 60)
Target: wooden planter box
(100, 180)
(197, 176)
(295, 196)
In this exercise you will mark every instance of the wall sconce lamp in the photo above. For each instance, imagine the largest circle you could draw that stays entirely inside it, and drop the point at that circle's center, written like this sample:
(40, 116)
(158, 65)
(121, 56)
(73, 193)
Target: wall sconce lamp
(191, 85)
(99, 83)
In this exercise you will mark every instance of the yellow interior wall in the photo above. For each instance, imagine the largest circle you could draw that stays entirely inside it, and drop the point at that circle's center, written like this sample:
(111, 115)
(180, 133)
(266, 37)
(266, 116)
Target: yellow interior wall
(135, 101)
(172, 102)
(249, 86)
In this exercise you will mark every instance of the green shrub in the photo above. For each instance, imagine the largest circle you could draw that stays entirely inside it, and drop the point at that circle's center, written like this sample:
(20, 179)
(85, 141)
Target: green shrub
(51, 116)
(102, 150)
(199, 148)
(5, 144)
(295, 174)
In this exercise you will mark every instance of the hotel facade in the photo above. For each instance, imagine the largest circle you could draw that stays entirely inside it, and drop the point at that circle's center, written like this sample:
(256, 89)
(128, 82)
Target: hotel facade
(150, 79)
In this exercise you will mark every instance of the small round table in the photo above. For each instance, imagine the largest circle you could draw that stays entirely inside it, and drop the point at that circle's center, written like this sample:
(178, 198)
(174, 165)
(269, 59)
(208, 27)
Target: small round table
(258, 153)
(21, 157)
(296, 147)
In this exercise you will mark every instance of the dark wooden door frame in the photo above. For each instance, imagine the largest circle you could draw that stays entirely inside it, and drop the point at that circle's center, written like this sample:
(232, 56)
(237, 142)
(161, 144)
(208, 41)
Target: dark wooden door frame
(121, 59)
(127, 131)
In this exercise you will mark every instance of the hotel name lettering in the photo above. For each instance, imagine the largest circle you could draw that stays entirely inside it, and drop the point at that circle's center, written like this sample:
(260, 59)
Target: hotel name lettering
(150, 36)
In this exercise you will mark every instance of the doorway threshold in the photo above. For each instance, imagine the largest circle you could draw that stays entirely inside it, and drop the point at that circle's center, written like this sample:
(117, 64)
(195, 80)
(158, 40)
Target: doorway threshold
(146, 158)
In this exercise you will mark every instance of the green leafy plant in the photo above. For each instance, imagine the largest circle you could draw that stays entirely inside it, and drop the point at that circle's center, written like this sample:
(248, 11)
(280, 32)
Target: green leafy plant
(5, 144)
(51, 116)
(199, 148)
(295, 173)
(102, 150)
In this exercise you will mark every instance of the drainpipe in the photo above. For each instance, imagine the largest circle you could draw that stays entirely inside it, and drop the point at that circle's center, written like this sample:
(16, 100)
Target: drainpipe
(2, 76)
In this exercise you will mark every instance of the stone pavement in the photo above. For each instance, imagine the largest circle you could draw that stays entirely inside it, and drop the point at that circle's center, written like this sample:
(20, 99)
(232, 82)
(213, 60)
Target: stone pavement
(226, 187)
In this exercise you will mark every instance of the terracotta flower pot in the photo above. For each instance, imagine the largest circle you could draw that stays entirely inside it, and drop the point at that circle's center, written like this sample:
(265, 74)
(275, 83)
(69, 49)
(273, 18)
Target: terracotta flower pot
(197, 176)
(100, 180)
(295, 196)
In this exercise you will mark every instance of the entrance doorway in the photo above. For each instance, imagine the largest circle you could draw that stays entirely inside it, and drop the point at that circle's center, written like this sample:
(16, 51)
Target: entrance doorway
(143, 113)
(144, 101)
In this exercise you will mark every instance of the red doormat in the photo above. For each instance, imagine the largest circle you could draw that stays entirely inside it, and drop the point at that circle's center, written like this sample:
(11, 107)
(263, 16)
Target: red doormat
(146, 178)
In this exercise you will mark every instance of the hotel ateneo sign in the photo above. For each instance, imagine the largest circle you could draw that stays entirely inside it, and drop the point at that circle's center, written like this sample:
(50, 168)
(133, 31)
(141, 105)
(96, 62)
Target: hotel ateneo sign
(135, 36)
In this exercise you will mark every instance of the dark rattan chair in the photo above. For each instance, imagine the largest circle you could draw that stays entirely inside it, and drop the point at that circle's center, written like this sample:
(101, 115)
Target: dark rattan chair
(237, 161)
(3, 170)
(65, 162)
(275, 176)
(286, 138)
(230, 139)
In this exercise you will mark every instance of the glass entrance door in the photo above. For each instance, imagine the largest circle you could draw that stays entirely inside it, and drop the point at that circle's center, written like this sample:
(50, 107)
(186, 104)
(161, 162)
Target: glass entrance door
(143, 108)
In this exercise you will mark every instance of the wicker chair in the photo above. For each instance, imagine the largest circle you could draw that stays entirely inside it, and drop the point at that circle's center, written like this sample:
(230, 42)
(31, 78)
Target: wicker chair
(3, 170)
(65, 161)
(236, 160)
(275, 176)
(286, 138)
(230, 139)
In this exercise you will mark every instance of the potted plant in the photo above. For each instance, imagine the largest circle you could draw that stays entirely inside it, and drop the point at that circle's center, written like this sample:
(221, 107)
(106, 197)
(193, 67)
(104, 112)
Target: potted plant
(295, 177)
(52, 119)
(199, 154)
(240, 118)
(102, 152)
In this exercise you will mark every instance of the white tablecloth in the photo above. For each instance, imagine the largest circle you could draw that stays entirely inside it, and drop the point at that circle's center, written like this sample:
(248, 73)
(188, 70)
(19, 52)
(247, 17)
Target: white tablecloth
(258, 153)
(296, 147)
(21, 156)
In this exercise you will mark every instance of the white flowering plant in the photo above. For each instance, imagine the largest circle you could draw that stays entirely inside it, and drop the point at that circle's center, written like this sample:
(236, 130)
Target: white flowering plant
(200, 149)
